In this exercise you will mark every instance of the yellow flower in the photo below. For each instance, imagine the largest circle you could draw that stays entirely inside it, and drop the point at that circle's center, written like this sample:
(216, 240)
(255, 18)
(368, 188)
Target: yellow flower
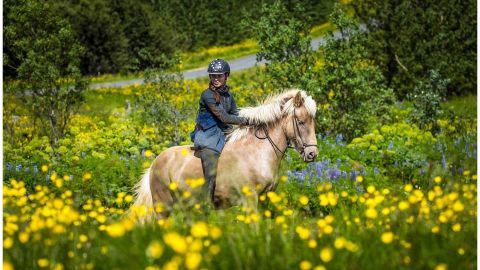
(371, 213)
(461, 251)
(466, 173)
(215, 232)
(458, 206)
(148, 153)
(192, 260)
(305, 265)
(441, 266)
(43, 263)
(176, 242)
(303, 200)
(408, 187)
(403, 205)
(284, 178)
(457, 227)
(371, 189)
(44, 168)
(312, 243)
(268, 213)
(199, 230)
(173, 186)
(154, 250)
(214, 249)
(23, 237)
(359, 179)
(387, 237)
(128, 198)
(303, 233)
(340, 243)
(83, 238)
(326, 254)
(184, 152)
(274, 198)
(435, 229)
(116, 230)
(7, 243)
(7, 265)
(87, 176)
(320, 267)
(437, 179)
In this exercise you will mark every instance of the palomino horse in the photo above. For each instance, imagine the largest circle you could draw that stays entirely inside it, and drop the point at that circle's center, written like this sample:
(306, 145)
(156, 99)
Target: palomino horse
(251, 156)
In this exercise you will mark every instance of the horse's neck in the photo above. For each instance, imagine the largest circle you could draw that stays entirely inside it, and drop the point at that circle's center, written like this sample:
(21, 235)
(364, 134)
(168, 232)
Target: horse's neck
(271, 153)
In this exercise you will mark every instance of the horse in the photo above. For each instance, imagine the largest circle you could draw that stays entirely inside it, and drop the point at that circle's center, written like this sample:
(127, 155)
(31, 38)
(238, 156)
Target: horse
(251, 157)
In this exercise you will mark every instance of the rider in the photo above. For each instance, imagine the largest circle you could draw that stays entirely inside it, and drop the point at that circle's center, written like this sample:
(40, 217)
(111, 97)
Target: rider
(216, 115)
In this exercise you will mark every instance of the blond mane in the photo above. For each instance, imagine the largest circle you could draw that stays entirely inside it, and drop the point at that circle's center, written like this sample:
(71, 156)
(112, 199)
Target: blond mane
(271, 110)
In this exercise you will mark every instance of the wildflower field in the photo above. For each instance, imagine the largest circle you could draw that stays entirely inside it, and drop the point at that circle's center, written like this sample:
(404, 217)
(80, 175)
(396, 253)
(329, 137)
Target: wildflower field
(398, 197)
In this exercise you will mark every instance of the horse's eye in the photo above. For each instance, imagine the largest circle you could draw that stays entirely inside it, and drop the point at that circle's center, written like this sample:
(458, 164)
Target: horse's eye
(301, 122)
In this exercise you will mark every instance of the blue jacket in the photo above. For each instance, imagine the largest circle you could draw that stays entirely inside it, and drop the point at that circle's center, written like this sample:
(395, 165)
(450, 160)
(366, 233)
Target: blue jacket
(217, 112)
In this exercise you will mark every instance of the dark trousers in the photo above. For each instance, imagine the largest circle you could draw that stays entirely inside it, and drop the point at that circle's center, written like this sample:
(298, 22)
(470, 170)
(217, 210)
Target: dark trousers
(209, 165)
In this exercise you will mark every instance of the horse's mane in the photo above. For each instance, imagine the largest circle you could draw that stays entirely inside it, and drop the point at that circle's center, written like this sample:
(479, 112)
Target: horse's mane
(271, 110)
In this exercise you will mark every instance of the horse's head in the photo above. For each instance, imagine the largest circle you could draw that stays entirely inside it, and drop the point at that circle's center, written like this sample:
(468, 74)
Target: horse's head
(299, 125)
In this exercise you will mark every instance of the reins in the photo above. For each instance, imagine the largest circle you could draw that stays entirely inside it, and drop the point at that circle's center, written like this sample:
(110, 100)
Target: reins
(275, 147)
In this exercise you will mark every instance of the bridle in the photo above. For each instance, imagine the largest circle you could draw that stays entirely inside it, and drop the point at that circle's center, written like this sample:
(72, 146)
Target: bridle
(296, 130)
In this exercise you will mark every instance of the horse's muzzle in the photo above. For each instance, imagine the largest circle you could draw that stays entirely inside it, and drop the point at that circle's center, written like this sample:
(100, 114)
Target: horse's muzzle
(310, 155)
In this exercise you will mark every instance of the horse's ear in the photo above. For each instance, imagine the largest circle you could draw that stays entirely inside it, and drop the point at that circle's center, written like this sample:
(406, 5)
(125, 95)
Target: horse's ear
(298, 100)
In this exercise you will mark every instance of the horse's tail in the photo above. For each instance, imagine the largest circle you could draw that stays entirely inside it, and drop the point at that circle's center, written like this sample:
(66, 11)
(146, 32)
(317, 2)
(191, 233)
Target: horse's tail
(143, 197)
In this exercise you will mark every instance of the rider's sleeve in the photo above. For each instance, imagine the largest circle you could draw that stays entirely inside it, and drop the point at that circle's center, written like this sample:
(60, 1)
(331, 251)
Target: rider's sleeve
(233, 106)
(220, 112)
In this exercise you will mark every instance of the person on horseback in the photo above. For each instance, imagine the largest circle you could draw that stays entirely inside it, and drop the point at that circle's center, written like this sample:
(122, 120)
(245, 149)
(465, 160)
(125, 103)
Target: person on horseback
(216, 114)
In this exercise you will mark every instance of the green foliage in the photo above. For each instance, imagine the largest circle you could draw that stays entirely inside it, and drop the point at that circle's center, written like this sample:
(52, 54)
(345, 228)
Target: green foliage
(409, 38)
(99, 29)
(155, 105)
(426, 98)
(352, 91)
(288, 53)
(46, 58)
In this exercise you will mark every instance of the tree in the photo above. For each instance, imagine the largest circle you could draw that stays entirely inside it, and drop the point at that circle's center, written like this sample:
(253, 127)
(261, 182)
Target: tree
(100, 31)
(353, 94)
(285, 45)
(46, 60)
(409, 38)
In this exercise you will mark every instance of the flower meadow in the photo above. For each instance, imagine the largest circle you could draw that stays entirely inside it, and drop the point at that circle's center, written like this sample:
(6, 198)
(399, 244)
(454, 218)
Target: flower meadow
(398, 197)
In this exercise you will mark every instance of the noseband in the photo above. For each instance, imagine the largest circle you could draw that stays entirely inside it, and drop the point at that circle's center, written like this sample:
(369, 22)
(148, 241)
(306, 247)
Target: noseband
(296, 130)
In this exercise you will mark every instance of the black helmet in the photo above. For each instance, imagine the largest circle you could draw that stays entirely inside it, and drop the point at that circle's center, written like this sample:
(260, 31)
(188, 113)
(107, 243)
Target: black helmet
(218, 66)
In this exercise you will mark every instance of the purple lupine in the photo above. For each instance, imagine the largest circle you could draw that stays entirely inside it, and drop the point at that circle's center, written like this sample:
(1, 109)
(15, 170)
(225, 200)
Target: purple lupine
(362, 153)
(444, 162)
(339, 139)
(71, 178)
(143, 154)
(333, 174)
(353, 175)
(376, 171)
(83, 154)
(439, 146)
(18, 167)
(390, 146)
(395, 164)
(344, 175)
(47, 178)
(9, 166)
(319, 168)
(35, 170)
(339, 162)
(364, 172)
